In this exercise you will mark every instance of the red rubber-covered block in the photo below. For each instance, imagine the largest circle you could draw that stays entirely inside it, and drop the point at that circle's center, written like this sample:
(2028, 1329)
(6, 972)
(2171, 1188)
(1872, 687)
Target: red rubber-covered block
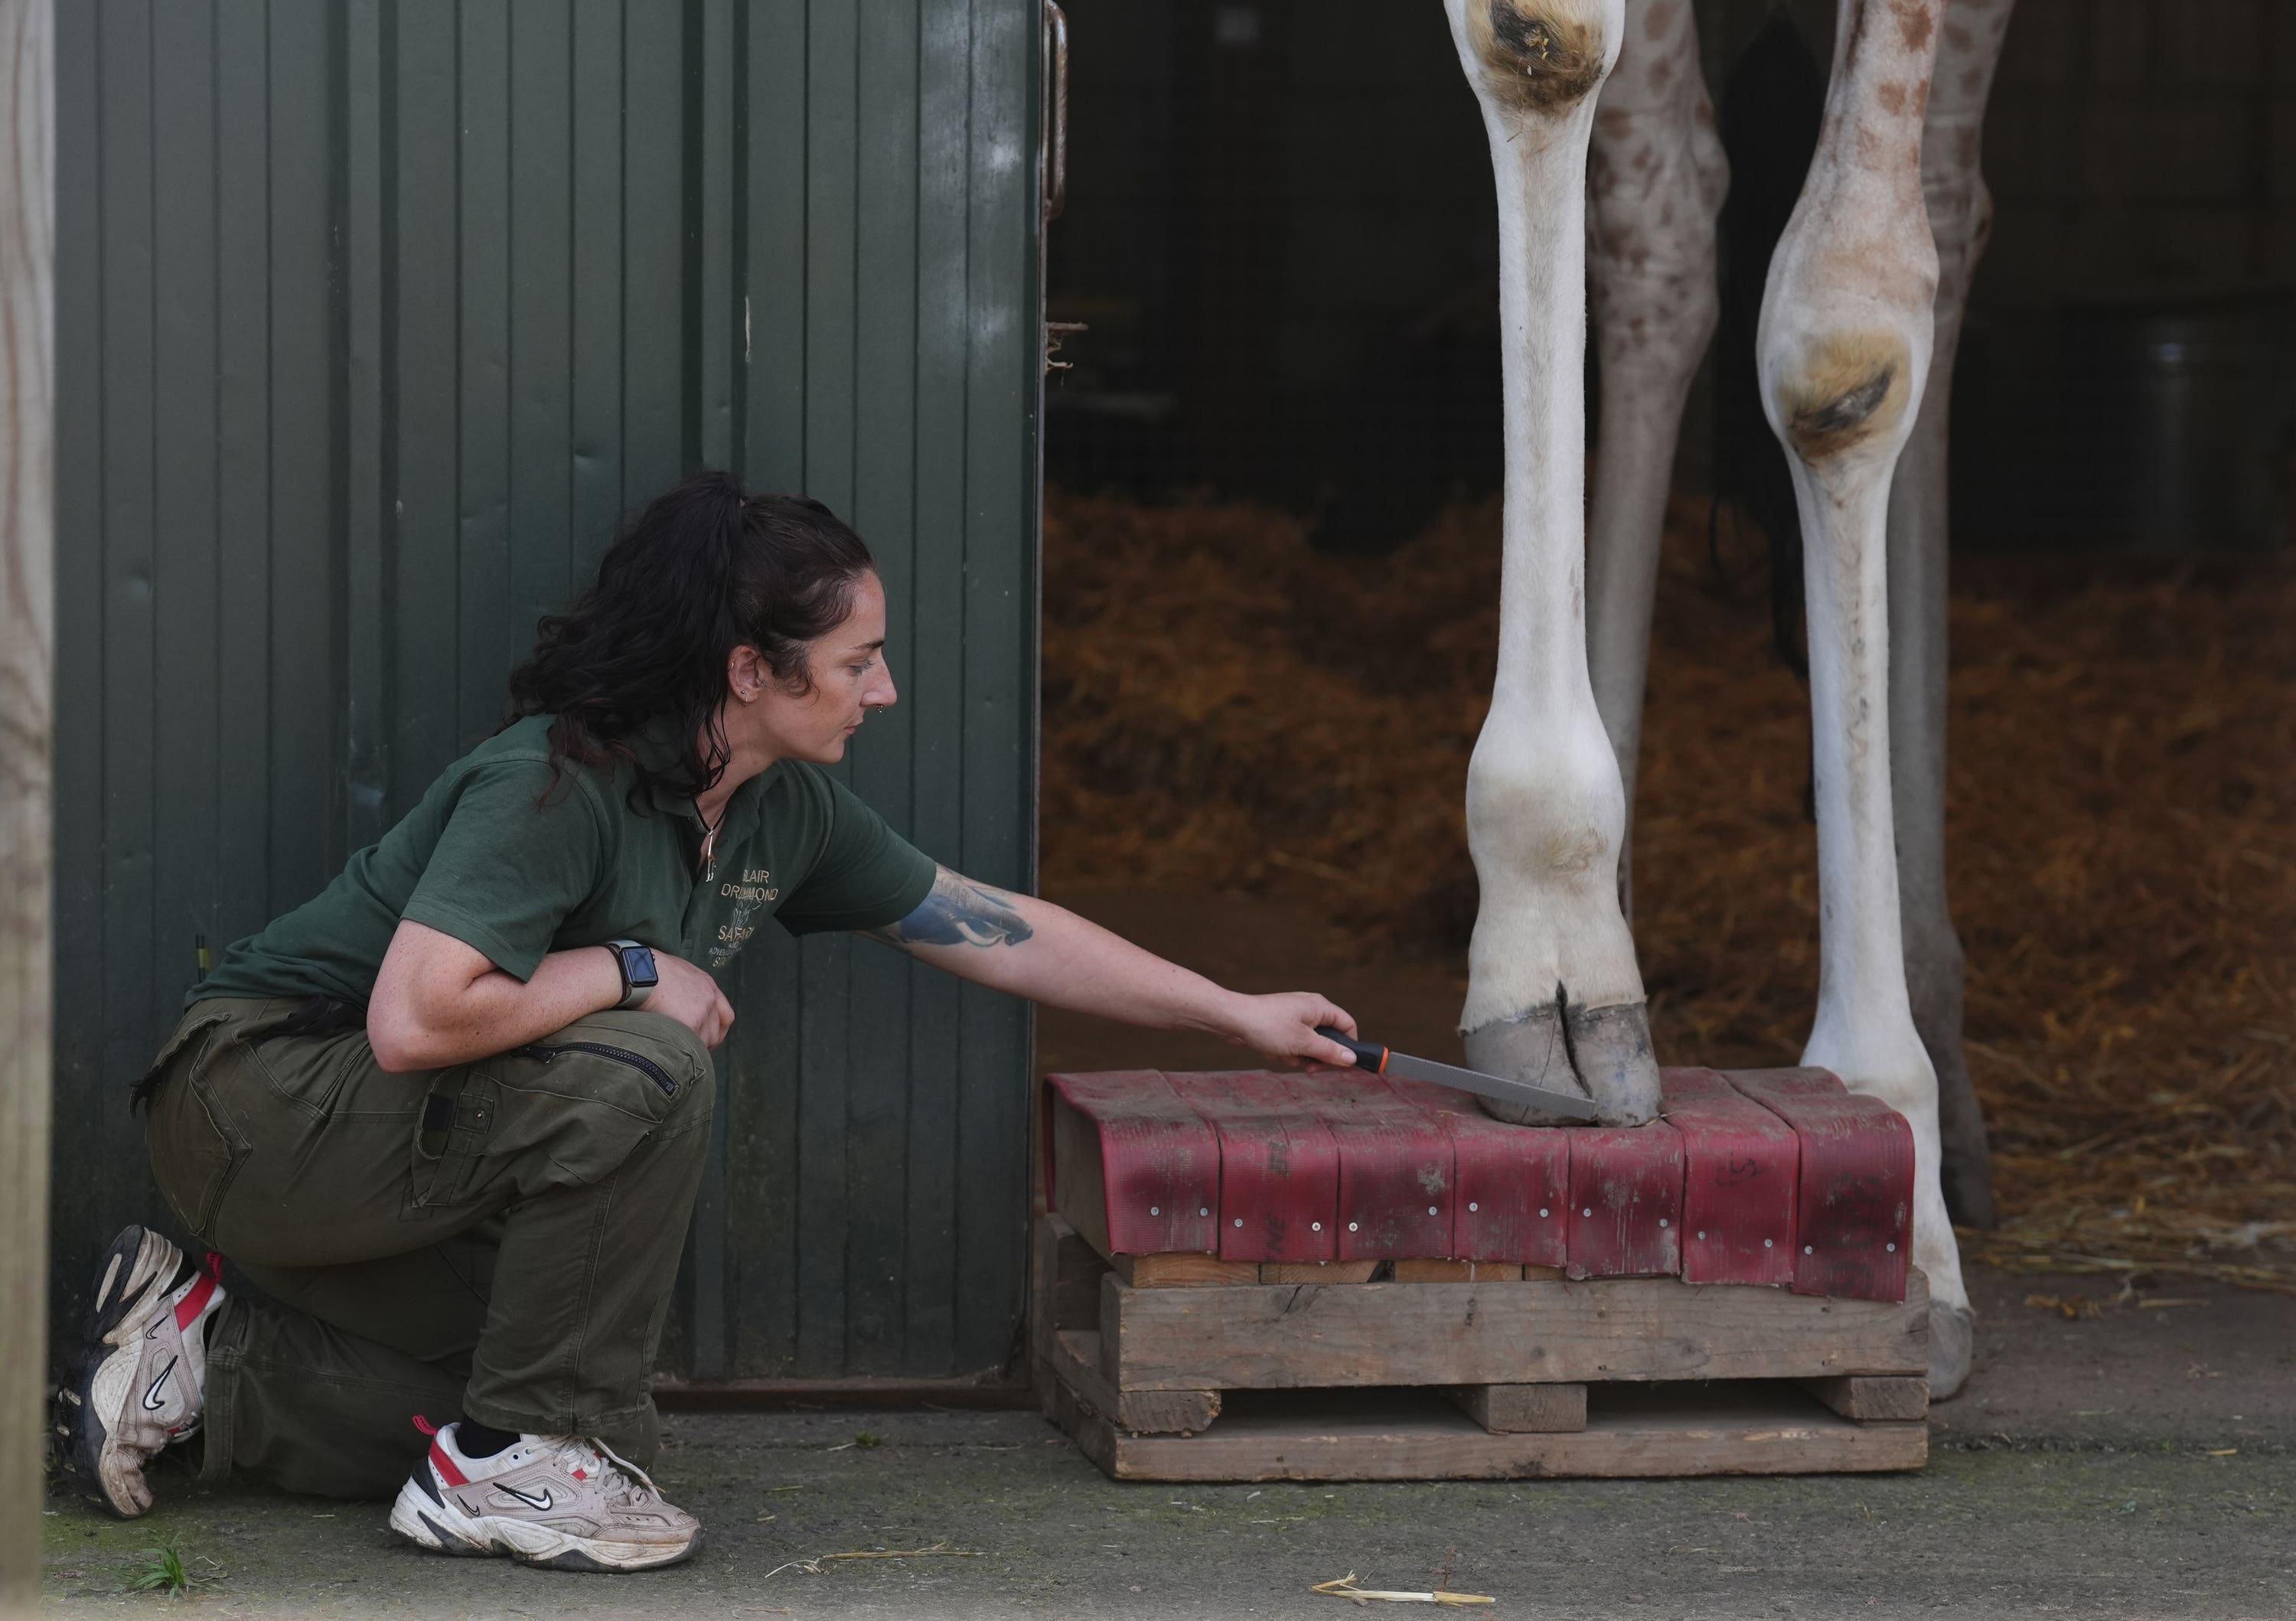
(1159, 1161)
(1511, 1184)
(1626, 1201)
(1279, 1168)
(1395, 1169)
(1855, 1203)
(1740, 1166)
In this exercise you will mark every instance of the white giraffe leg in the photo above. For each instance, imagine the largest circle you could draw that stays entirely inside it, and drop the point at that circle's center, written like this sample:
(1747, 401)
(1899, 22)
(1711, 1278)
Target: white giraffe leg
(1961, 215)
(1553, 992)
(1654, 184)
(1844, 351)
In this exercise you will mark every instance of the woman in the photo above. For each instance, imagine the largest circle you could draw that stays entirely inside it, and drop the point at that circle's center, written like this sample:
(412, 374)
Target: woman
(451, 1114)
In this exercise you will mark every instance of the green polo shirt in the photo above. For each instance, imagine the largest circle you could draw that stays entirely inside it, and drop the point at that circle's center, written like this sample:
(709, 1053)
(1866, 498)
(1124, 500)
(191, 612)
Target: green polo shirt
(518, 862)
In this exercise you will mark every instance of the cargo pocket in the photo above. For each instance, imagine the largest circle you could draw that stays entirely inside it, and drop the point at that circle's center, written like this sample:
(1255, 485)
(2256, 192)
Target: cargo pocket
(450, 1139)
(197, 1147)
(577, 1109)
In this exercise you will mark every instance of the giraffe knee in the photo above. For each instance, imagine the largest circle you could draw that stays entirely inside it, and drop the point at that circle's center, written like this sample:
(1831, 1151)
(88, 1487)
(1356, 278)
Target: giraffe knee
(1843, 391)
(1542, 56)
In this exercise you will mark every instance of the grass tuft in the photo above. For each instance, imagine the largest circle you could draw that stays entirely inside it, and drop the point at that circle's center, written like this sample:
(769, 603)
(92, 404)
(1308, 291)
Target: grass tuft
(161, 1572)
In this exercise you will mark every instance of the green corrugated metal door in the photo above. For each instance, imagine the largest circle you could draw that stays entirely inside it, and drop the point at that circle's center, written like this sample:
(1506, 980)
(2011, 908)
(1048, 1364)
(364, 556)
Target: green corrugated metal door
(372, 317)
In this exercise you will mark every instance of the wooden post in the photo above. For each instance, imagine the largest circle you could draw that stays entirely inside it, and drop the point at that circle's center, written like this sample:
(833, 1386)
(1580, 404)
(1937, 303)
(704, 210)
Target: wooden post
(27, 709)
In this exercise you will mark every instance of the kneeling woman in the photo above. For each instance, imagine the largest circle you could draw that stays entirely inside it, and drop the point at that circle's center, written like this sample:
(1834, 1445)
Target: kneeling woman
(450, 1115)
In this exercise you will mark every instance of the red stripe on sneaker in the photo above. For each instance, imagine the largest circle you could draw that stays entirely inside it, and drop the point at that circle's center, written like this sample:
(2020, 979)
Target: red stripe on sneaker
(188, 1308)
(445, 1465)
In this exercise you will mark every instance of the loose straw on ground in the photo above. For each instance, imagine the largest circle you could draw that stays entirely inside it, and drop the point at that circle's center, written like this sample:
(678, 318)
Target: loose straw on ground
(813, 1567)
(1345, 1587)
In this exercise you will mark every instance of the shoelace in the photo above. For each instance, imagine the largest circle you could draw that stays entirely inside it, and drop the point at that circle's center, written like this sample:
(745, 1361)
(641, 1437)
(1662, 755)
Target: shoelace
(639, 1487)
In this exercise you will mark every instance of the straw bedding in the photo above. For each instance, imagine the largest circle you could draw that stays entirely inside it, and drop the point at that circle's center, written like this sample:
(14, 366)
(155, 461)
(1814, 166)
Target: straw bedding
(1226, 710)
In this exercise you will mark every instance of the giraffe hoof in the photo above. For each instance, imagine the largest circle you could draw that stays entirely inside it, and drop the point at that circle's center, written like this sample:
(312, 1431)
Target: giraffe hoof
(1953, 1344)
(1602, 1053)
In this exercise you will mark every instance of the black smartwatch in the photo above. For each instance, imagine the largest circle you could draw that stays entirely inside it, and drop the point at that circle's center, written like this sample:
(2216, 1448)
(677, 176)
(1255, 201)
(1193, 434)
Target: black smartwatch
(639, 975)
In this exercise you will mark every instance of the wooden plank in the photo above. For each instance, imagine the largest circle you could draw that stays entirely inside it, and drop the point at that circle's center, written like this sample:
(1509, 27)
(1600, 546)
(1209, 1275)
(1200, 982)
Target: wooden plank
(27, 677)
(1430, 1269)
(1638, 1329)
(1182, 1271)
(1279, 1166)
(1319, 1272)
(1396, 1169)
(1740, 1168)
(1417, 1436)
(243, 455)
(543, 179)
(877, 494)
(722, 1235)
(1094, 1434)
(653, 226)
(182, 384)
(365, 271)
(1626, 1201)
(488, 637)
(1870, 1400)
(1152, 1162)
(125, 676)
(1074, 1359)
(933, 684)
(1512, 1183)
(1855, 1203)
(421, 526)
(80, 1221)
(1064, 1283)
(1507, 1410)
(1000, 519)
(593, 450)
(1064, 1337)
(305, 845)
(824, 1167)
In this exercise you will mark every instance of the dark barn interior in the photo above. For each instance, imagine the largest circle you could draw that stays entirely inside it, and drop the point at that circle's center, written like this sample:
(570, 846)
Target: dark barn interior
(1279, 233)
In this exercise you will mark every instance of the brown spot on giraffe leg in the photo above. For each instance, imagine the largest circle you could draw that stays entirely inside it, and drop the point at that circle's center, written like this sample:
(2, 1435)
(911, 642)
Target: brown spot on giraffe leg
(1538, 55)
(1846, 390)
(1916, 24)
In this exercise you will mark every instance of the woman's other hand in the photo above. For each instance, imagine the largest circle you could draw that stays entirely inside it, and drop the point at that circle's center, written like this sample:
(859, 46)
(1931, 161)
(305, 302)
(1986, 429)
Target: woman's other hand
(440, 1002)
(1282, 1026)
(689, 994)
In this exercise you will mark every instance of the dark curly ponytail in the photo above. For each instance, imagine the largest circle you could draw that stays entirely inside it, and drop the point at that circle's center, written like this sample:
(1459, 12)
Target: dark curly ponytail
(705, 569)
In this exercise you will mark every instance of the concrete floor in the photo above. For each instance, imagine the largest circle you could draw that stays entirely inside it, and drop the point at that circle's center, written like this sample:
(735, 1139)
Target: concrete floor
(2139, 1462)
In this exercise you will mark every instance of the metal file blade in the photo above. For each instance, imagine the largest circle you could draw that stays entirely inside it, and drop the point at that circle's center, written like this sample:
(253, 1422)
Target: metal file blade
(1386, 1061)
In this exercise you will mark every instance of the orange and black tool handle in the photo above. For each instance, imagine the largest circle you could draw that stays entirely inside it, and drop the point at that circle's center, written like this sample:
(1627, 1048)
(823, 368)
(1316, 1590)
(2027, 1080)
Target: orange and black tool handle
(1369, 1055)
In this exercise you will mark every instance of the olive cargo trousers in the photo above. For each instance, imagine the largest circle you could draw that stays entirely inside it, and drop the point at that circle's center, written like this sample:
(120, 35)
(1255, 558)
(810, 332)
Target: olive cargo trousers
(498, 1239)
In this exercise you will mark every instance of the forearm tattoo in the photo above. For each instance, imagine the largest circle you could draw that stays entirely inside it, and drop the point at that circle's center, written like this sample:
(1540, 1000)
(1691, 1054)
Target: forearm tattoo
(958, 913)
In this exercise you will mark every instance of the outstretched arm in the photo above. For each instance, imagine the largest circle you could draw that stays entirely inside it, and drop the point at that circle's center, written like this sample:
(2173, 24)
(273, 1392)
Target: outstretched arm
(1032, 949)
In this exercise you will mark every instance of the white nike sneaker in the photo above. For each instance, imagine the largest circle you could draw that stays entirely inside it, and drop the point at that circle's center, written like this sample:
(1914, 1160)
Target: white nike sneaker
(142, 1381)
(558, 1500)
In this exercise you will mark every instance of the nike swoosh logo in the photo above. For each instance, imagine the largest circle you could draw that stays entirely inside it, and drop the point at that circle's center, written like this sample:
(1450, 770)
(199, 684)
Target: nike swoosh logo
(152, 1396)
(543, 1504)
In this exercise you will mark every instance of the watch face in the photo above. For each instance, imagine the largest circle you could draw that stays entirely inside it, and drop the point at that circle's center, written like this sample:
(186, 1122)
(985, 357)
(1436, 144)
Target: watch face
(637, 963)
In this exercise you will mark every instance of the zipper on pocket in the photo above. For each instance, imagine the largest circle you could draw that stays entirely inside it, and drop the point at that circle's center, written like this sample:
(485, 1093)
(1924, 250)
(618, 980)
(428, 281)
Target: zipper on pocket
(636, 1061)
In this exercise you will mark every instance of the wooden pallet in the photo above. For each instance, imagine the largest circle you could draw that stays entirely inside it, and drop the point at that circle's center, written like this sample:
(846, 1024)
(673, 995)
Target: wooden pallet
(1219, 1376)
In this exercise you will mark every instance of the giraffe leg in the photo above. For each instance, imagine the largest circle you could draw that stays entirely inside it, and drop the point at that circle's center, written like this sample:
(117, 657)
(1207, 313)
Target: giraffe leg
(1553, 993)
(1655, 178)
(1847, 334)
(1960, 214)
